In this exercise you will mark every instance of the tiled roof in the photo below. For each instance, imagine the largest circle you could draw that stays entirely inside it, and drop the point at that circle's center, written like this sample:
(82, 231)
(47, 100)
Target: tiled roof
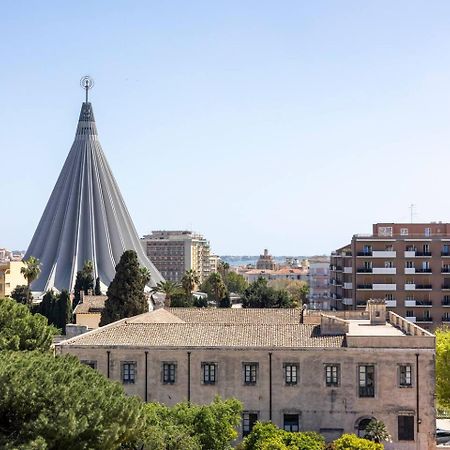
(91, 304)
(238, 315)
(132, 334)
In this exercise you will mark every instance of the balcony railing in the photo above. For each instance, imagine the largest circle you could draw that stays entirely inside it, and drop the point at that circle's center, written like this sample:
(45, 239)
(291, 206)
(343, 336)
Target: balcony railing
(424, 319)
(364, 269)
(366, 391)
(445, 270)
(445, 253)
(445, 287)
(425, 286)
(364, 286)
(424, 303)
(423, 253)
(445, 318)
(364, 253)
(445, 302)
(423, 270)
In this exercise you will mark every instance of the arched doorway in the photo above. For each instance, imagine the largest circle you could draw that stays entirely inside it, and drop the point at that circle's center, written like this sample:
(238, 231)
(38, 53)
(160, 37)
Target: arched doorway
(361, 425)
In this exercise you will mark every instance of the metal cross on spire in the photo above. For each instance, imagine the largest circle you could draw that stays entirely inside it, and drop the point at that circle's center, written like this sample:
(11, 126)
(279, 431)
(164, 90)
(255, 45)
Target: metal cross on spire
(87, 83)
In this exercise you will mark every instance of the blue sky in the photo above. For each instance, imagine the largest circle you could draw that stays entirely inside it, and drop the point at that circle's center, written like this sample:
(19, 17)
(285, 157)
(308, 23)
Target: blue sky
(289, 125)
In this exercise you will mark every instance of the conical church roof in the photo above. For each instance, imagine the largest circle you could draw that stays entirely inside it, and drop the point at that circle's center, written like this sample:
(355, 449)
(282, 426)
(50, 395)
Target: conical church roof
(85, 218)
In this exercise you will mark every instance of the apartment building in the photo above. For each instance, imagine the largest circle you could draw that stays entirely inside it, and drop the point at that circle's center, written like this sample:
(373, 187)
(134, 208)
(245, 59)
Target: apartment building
(407, 264)
(175, 252)
(326, 373)
(10, 277)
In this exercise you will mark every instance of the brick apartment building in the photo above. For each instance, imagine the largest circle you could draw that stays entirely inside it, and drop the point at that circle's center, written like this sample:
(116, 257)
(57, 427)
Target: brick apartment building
(407, 264)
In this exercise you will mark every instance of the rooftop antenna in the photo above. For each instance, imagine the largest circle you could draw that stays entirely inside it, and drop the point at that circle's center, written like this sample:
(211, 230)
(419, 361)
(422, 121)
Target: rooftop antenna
(411, 207)
(87, 83)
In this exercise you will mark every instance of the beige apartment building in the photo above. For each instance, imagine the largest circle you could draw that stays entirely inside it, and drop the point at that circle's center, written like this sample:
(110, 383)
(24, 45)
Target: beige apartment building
(10, 277)
(330, 374)
(175, 252)
(407, 264)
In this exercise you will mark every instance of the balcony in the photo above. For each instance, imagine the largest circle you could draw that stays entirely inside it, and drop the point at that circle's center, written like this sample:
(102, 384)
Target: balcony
(423, 254)
(425, 287)
(411, 319)
(445, 302)
(445, 318)
(410, 270)
(423, 270)
(348, 269)
(384, 271)
(364, 286)
(414, 303)
(410, 287)
(347, 301)
(444, 254)
(366, 253)
(384, 286)
(384, 254)
(445, 270)
(364, 270)
(410, 254)
(424, 319)
(446, 287)
(391, 303)
(348, 285)
(361, 303)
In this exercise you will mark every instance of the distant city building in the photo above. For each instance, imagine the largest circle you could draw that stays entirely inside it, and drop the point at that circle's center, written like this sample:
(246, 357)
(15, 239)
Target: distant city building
(407, 264)
(85, 217)
(10, 277)
(265, 261)
(319, 285)
(284, 273)
(8, 255)
(326, 373)
(175, 252)
(214, 263)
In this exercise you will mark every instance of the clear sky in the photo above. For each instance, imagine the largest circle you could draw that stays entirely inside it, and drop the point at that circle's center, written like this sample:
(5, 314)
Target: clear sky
(289, 125)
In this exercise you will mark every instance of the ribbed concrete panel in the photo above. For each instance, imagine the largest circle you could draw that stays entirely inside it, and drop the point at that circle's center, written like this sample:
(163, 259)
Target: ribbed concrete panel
(85, 217)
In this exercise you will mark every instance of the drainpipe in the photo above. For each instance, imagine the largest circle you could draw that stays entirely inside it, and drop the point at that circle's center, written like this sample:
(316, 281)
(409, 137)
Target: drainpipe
(418, 421)
(189, 377)
(108, 359)
(270, 386)
(146, 377)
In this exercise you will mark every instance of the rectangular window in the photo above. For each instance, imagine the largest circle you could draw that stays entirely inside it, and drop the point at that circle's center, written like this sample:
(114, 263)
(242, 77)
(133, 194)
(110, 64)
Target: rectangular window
(366, 380)
(128, 372)
(250, 373)
(405, 428)
(248, 421)
(427, 231)
(290, 373)
(389, 297)
(405, 373)
(209, 371)
(409, 264)
(168, 372)
(403, 231)
(388, 264)
(290, 422)
(332, 375)
(384, 231)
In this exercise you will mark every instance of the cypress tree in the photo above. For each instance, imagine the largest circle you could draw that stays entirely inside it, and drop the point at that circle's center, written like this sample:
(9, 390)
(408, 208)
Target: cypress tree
(48, 307)
(97, 290)
(126, 292)
(64, 310)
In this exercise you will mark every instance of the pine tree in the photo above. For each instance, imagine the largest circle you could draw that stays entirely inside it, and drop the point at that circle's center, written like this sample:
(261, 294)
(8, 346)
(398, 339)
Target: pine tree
(126, 292)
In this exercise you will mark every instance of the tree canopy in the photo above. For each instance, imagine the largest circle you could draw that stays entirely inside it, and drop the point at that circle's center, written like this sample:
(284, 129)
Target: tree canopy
(443, 366)
(31, 270)
(353, 442)
(21, 294)
(235, 282)
(53, 403)
(22, 330)
(57, 308)
(84, 281)
(260, 295)
(216, 289)
(126, 292)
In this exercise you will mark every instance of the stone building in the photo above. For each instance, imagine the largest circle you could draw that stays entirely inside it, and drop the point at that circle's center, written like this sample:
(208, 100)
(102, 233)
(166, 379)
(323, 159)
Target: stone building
(323, 373)
(265, 261)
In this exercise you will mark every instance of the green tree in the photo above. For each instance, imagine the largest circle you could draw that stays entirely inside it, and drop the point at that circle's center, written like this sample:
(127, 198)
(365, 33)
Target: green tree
(84, 281)
(97, 288)
(443, 366)
(22, 330)
(215, 288)
(32, 270)
(260, 295)
(21, 294)
(376, 431)
(223, 268)
(126, 292)
(169, 288)
(298, 290)
(235, 282)
(55, 403)
(353, 442)
(189, 281)
(47, 307)
(188, 426)
(63, 311)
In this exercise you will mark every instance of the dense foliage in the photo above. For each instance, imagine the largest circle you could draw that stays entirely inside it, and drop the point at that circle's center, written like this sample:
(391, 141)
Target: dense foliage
(83, 282)
(216, 290)
(192, 427)
(297, 289)
(56, 403)
(21, 294)
(57, 308)
(22, 330)
(260, 295)
(443, 366)
(376, 431)
(353, 442)
(126, 292)
(265, 436)
(235, 282)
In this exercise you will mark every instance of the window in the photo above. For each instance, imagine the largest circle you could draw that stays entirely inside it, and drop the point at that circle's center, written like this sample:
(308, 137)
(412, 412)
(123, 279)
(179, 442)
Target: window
(409, 264)
(426, 248)
(366, 380)
(367, 249)
(248, 421)
(367, 264)
(405, 375)
(389, 247)
(445, 249)
(405, 428)
(209, 371)
(427, 231)
(290, 373)
(290, 422)
(409, 313)
(403, 231)
(332, 374)
(389, 297)
(250, 373)
(128, 372)
(389, 264)
(168, 372)
(384, 231)
(92, 364)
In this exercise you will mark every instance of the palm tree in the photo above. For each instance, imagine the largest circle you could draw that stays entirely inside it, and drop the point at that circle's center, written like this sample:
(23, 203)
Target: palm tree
(146, 275)
(31, 270)
(189, 281)
(218, 288)
(169, 288)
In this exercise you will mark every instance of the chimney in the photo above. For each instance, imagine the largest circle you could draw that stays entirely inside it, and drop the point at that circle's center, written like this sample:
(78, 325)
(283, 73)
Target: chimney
(377, 311)
(90, 292)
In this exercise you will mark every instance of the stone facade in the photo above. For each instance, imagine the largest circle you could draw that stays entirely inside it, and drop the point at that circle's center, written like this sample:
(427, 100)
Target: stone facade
(328, 374)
